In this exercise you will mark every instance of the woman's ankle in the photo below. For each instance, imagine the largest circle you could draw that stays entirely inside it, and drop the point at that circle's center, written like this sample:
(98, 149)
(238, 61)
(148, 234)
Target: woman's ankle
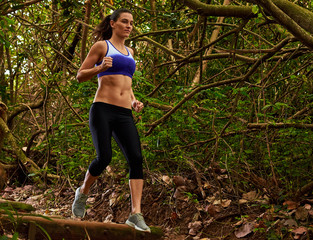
(83, 190)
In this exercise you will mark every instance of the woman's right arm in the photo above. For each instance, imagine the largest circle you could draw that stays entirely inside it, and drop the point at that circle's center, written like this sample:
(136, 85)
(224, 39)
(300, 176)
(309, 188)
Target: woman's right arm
(88, 69)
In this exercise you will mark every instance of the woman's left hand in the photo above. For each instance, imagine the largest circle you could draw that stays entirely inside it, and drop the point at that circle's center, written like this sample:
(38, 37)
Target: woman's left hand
(137, 105)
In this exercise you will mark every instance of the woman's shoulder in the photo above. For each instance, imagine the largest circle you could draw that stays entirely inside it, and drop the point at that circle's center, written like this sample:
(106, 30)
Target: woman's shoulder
(99, 49)
(130, 50)
(100, 45)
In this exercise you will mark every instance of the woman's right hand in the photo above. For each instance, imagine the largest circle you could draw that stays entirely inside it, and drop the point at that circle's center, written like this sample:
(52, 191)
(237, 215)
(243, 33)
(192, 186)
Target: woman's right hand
(106, 63)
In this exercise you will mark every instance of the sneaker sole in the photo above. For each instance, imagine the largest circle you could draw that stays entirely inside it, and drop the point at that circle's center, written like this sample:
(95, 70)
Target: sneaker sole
(136, 227)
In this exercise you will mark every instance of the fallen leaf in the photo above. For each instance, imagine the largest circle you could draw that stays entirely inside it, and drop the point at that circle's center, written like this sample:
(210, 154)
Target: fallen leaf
(174, 216)
(221, 177)
(239, 222)
(28, 188)
(291, 205)
(113, 199)
(242, 201)
(307, 206)
(302, 213)
(180, 193)
(225, 202)
(223, 171)
(108, 218)
(208, 222)
(91, 212)
(290, 223)
(109, 170)
(245, 230)
(211, 209)
(194, 227)
(250, 196)
(210, 199)
(300, 231)
(207, 185)
(8, 189)
(166, 179)
(91, 200)
(179, 181)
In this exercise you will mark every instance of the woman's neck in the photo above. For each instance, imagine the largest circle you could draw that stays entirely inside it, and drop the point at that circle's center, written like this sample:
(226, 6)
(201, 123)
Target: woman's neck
(117, 41)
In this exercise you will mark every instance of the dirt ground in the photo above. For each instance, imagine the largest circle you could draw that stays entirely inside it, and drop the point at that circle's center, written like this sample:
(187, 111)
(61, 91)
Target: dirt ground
(183, 207)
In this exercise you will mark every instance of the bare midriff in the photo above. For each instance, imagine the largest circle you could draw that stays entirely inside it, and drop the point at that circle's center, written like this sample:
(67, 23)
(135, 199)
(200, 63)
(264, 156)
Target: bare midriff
(115, 90)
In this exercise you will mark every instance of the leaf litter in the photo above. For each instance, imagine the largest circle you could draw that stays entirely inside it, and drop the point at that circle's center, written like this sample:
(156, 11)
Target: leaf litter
(175, 204)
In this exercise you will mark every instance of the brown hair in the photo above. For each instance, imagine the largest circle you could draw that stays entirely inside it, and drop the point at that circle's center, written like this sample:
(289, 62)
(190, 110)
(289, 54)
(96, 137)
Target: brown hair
(104, 30)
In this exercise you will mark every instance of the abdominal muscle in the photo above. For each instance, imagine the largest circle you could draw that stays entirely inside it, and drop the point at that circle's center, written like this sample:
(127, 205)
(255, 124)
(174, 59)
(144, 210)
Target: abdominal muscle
(115, 90)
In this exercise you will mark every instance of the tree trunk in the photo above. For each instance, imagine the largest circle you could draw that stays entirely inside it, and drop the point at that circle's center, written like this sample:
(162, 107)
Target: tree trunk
(154, 49)
(85, 30)
(3, 177)
(3, 83)
(288, 22)
(196, 79)
(300, 15)
(6, 133)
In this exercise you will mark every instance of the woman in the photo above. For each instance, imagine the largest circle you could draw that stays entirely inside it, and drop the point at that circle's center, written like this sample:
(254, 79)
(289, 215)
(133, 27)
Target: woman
(110, 113)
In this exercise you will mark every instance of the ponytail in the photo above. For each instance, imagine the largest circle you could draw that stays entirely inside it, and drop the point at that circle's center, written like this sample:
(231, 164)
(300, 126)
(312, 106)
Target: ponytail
(104, 30)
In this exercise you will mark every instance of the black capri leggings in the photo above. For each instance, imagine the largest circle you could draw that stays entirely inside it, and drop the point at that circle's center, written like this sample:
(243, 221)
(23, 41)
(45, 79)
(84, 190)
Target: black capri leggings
(106, 120)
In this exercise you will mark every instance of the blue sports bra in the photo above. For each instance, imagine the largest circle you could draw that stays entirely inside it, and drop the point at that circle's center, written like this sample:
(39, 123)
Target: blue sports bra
(122, 64)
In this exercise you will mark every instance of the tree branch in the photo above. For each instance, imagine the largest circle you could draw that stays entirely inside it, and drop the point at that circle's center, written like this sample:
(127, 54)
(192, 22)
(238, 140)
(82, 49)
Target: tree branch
(30, 164)
(287, 22)
(300, 15)
(217, 10)
(279, 125)
(217, 84)
(20, 6)
(23, 108)
(165, 49)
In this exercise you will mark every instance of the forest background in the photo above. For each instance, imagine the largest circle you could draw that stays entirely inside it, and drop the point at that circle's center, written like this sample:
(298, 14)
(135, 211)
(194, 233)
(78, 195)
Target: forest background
(227, 87)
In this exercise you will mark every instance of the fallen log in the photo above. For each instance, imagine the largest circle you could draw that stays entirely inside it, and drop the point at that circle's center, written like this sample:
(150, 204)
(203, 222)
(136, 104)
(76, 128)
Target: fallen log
(12, 205)
(35, 227)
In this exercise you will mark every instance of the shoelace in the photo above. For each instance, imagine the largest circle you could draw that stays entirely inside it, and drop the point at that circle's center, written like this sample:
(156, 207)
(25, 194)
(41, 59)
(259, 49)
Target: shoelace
(82, 198)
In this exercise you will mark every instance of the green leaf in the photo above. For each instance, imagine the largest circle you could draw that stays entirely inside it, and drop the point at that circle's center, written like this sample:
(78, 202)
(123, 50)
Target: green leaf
(15, 236)
(266, 107)
(248, 151)
(279, 105)
(255, 9)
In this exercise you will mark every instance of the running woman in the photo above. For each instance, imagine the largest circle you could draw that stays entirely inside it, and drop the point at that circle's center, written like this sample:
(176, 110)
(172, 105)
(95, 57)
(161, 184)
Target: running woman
(111, 112)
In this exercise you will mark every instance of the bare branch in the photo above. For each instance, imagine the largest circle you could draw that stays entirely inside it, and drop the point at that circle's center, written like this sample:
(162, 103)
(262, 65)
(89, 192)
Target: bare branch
(20, 6)
(287, 22)
(217, 10)
(279, 125)
(220, 83)
(23, 108)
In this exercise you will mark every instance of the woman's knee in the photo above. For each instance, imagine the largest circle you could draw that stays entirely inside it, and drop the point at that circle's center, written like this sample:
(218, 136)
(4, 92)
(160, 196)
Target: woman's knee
(98, 165)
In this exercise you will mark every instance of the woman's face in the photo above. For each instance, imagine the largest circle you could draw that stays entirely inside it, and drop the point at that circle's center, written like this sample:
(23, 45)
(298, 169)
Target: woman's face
(123, 26)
